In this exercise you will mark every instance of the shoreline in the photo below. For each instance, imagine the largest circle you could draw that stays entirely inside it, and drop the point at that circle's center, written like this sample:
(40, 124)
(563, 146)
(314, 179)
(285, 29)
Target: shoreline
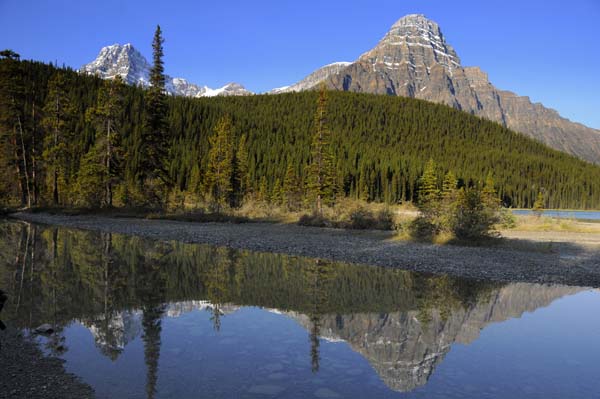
(566, 262)
(27, 372)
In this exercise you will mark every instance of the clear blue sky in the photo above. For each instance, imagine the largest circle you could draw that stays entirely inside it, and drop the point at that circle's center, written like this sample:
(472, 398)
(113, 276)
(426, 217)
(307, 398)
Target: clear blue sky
(546, 49)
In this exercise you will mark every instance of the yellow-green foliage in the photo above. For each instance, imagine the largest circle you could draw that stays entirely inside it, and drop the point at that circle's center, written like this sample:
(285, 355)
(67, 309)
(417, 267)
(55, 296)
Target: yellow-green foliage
(535, 223)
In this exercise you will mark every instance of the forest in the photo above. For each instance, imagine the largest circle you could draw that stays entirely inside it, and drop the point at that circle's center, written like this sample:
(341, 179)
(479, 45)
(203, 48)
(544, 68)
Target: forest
(74, 140)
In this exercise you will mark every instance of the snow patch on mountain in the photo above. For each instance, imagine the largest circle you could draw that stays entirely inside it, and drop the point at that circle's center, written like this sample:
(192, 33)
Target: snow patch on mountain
(132, 66)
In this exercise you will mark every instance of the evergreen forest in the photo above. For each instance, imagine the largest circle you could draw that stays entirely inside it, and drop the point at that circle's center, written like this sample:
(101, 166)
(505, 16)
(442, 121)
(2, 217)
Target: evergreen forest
(73, 140)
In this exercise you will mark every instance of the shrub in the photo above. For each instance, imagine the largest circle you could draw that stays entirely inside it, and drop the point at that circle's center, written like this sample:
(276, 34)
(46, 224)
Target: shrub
(385, 220)
(313, 219)
(361, 219)
(473, 219)
(507, 219)
(423, 229)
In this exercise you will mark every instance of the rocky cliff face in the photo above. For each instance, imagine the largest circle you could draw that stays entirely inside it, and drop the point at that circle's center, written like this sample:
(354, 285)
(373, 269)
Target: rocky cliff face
(414, 60)
(314, 78)
(405, 351)
(130, 64)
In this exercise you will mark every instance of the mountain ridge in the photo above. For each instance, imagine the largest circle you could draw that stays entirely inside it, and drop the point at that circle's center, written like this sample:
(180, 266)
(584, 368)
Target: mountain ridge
(413, 59)
(132, 66)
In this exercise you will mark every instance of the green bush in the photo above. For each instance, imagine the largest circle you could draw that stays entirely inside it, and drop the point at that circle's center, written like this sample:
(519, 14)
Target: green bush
(507, 219)
(474, 220)
(422, 228)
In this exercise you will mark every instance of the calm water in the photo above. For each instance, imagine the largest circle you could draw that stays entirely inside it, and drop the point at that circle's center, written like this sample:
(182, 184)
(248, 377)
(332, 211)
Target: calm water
(145, 319)
(584, 215)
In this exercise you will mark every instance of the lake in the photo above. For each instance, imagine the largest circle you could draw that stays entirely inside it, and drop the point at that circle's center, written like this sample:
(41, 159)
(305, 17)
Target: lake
(137, 318)
(581, 215)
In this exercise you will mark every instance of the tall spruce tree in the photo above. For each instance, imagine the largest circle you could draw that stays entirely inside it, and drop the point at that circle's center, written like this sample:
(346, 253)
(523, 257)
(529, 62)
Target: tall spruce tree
(291, 188)
(320, 169)
(449, 185)
(428, 223)
(428, 189)
(219, 175)
(58, 111)
(106, 116)
(449, 198)
(12, 140)
(155, 136)
(242, 169)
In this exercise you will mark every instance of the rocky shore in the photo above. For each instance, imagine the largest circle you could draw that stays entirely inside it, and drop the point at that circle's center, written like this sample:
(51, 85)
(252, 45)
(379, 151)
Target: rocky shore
(25, 372)
(569, 261)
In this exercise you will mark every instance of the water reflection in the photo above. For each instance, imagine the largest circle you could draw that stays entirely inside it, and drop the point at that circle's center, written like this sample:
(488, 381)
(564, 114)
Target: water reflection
(123, 288)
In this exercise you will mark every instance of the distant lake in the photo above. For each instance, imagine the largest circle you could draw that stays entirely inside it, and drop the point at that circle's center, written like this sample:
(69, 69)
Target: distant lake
(586, 215)
(137, 318)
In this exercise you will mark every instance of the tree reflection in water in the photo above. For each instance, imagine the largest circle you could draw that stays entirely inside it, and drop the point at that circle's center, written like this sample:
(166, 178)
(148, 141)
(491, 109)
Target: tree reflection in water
(121, 287)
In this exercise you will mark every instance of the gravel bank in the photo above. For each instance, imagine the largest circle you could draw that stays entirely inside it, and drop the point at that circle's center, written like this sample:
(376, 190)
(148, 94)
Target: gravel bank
(25, 372)
(567, 262)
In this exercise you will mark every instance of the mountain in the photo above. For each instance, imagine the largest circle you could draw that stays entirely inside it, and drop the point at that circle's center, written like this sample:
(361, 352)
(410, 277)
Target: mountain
(414, 60)
(126, 61)
(313, 79)
(404, 350)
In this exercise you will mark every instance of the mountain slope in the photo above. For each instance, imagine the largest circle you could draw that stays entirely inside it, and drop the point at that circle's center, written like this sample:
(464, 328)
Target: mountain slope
(130, 64)
(380, 143)
(414, 60)
(313, 79)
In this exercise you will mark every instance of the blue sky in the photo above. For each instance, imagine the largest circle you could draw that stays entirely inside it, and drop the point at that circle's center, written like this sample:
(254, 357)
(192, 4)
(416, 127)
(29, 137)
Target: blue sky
(546, 49)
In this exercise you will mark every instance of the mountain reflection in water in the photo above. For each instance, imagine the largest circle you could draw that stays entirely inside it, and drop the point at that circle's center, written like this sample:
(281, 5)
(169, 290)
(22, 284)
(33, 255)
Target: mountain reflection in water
(123, 288)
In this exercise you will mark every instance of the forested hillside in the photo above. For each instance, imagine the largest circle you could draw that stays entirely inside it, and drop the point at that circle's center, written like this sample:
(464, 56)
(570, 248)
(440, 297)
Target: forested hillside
(380, 145)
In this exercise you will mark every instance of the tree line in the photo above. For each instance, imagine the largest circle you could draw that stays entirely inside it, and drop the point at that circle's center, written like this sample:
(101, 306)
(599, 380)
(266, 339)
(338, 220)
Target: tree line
(69, 139)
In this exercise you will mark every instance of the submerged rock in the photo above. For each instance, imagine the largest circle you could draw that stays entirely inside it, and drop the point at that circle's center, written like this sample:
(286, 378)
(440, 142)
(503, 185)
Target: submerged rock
(44, 329)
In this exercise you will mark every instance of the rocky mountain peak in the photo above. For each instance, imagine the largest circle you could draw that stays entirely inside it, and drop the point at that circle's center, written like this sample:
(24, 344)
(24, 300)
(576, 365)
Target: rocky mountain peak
(123, 60)
(413, 59)
(132, 66)
(413, 42)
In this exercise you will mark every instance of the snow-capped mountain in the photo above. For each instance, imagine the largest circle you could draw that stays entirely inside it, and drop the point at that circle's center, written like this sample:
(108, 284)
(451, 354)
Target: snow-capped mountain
(130, 64)
(413, 59)
(314, 78)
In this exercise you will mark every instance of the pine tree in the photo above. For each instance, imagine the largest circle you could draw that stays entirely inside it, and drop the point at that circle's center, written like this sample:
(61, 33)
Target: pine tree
(291, 189)
(12, 129)
(277, 192)
(429, 223)
(195, 181)
(57, 113)
(242, 169)
(320, 176)
(449, 200)
(155, 136)
(428, 189)
(219, 175)
(538, 206)
(91, 178)
(490, 196)
(263, 192)
(106, 115)
(449, 185)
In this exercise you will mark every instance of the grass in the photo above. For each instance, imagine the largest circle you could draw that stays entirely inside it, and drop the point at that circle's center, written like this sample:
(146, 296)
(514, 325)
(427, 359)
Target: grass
(346, 214)
(359, 215)
(548, 224)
